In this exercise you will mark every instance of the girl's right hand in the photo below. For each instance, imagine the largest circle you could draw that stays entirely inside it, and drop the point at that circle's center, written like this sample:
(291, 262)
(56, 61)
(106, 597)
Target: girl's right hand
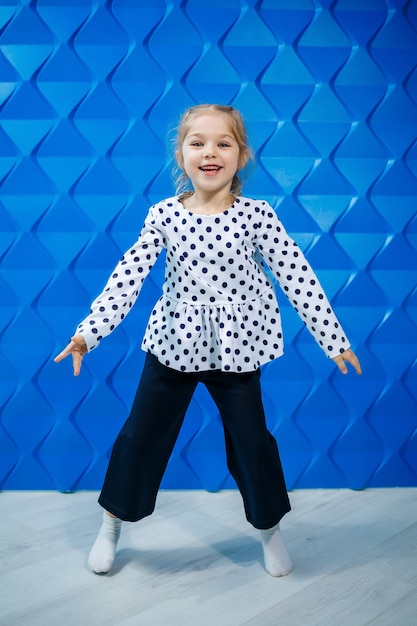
(77, 347)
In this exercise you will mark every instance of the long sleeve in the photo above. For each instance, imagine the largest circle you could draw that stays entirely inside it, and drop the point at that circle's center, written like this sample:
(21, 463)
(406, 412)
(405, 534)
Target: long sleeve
(299, 283)
(123, 287)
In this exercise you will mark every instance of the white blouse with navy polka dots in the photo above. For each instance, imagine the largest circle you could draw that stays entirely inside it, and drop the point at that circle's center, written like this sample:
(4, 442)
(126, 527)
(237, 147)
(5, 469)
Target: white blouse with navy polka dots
(218, 309)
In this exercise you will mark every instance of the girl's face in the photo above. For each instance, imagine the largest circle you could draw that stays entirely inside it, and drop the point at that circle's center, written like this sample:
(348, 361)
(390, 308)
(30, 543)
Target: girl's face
(210, 155)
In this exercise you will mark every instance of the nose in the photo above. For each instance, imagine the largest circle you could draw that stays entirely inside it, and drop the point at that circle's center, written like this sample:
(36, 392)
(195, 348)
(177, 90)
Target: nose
(209, 151)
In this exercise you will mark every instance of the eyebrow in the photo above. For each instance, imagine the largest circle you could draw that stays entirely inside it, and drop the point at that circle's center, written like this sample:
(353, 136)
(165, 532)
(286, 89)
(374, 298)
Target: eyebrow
(222, 136)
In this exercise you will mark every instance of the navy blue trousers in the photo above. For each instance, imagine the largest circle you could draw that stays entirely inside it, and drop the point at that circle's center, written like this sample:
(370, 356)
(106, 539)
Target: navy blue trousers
(145, 442)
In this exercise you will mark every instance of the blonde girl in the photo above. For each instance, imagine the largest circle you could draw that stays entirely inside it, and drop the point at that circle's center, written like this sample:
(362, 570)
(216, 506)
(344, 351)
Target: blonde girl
(217, 322)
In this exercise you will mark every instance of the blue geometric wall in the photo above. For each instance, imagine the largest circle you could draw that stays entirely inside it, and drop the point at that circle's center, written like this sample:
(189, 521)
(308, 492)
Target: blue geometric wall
(88, 93)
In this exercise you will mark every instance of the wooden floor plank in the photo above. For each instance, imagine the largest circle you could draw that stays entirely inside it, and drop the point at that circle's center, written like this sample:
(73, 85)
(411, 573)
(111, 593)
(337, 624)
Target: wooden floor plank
(197, 561)
(403, 612)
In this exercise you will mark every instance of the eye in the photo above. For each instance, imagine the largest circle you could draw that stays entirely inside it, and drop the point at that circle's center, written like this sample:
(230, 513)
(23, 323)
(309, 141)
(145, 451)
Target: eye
(224, 144)
(196, 144)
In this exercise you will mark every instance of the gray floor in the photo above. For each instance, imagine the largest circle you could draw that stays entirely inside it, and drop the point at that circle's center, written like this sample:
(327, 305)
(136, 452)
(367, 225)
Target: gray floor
(196, 562)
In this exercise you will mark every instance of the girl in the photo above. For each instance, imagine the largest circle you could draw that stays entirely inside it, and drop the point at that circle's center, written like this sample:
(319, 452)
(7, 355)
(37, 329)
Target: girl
(217, 322)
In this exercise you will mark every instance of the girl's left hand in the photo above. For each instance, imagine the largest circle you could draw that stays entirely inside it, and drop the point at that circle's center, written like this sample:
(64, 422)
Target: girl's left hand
(77, 348)
(349, 357)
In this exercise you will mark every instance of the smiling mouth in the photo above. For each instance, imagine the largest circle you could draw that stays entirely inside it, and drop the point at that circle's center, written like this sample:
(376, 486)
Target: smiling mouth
(210, 169)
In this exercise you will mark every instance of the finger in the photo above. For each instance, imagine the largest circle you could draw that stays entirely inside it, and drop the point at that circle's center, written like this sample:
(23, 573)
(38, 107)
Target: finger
(341, 364)
(65, 352)
(354, 361)
(77, 358)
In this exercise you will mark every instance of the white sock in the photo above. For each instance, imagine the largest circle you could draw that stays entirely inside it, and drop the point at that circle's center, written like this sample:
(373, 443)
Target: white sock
(103, 551)
(277, 559)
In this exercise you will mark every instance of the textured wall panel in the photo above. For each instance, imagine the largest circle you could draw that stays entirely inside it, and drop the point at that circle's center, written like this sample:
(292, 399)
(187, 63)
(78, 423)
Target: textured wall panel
(88, 93)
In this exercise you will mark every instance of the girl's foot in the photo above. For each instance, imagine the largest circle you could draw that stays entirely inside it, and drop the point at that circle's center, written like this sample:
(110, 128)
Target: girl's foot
(277, 559)
(103, 551)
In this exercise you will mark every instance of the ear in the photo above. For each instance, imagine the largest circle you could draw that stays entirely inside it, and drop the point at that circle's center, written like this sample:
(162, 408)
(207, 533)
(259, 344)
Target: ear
(179, 159)
(243, 159)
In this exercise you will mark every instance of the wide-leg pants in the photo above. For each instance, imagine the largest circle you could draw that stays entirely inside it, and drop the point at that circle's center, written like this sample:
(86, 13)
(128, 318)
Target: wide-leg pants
(145, 442)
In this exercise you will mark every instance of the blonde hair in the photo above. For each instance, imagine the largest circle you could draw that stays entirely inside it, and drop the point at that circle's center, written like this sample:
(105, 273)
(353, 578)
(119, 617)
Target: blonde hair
(238, 130)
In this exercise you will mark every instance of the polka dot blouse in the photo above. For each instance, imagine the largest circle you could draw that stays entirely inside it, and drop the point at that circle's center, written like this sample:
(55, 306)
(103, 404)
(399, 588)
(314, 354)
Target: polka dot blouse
(218, 309)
